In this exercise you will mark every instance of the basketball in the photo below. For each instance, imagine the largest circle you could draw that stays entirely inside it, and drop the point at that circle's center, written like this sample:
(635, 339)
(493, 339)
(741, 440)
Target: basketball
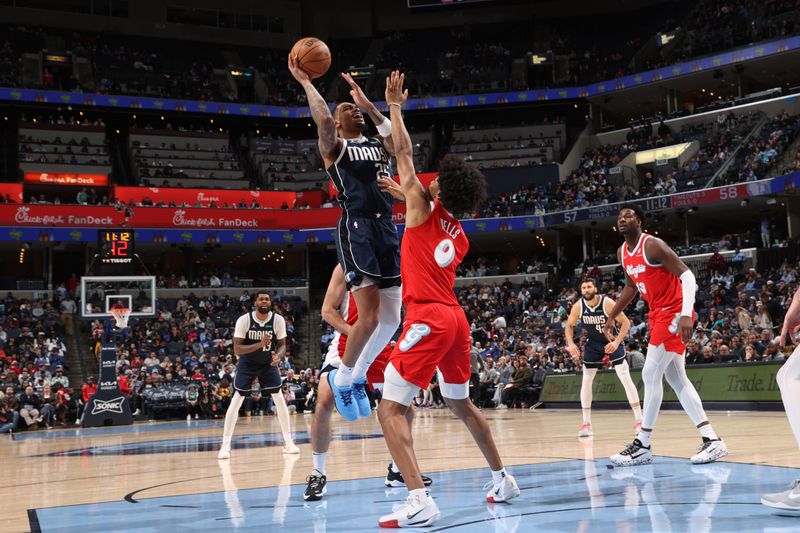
(313, 56)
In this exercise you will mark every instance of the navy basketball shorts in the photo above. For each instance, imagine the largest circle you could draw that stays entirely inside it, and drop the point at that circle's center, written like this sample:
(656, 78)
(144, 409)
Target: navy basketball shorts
(368, 249)
(594, 353)
(268, 377)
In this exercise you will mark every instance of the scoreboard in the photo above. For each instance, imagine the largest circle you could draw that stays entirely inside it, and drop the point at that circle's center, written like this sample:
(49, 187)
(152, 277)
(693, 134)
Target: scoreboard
(116, 247)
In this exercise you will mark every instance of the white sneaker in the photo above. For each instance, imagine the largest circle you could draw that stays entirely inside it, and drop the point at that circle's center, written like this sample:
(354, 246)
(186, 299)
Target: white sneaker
(585, 430)
(418, 511)
(224, 453)
(136, 413)
(633, 455)
(503, 491)
(188, 418)
(290, 447)
(786, 501)
(710, 451)
(197, 417)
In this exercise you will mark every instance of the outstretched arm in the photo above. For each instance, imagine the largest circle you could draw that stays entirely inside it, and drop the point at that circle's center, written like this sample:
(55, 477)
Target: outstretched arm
(381, 122)
(625, 298)
(417, 206)
(329, 142)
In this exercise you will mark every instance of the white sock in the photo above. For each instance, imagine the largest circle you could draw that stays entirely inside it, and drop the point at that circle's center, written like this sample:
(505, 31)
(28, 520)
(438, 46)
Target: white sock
(394, 468)
(231, 417)
(498, 476)
(343, 377)
(644, 437)
(586, 393)
(422, 494)
(388, 322)
(624, 374)
(319, 462)
(708, 432)
(283, 416)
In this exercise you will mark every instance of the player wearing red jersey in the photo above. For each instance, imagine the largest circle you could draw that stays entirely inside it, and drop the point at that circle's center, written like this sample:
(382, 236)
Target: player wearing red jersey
(668, 286)
(340, 311)
(435, 331)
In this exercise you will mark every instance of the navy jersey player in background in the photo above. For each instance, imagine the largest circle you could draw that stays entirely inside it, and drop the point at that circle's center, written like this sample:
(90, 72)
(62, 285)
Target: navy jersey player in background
(591, 311)
(367, 243)
(259, 342)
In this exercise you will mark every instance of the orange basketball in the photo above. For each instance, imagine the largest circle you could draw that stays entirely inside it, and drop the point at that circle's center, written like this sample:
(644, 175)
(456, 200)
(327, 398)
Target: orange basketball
(313, 56)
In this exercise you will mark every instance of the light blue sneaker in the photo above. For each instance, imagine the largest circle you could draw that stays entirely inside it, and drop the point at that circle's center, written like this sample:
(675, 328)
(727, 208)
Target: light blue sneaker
(344, 399)
(361, 398)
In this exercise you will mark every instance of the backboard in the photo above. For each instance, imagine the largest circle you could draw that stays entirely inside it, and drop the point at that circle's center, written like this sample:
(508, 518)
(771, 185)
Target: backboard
(101, 293)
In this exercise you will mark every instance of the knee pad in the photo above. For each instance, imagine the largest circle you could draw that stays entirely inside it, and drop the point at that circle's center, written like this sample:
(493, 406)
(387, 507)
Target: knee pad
(453, 391)
(396, 388)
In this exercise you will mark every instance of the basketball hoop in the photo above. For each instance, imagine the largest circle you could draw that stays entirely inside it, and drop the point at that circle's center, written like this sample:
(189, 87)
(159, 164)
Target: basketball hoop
(121, 315)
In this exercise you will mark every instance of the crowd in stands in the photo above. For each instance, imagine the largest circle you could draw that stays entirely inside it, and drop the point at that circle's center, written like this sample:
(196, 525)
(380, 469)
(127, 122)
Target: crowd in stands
(182, 362)
(592, 182)
(717, 25)
(207, 278)
(34, 388)
(476, 58)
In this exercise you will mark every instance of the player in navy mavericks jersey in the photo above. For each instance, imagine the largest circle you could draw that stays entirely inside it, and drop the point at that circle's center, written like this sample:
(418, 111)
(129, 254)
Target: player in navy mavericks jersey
(259, 341)
(366, 241)
(591, 311)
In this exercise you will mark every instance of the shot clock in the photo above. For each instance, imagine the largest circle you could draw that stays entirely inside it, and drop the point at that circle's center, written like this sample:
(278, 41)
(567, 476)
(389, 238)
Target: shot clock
(116, 247)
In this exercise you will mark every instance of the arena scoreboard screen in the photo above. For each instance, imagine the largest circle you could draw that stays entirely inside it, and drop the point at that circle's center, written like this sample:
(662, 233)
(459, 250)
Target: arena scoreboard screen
(116, 246)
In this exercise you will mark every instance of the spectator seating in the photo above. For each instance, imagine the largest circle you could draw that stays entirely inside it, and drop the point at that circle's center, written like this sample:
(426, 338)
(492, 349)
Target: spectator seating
(514, 146)
(189, 159)
(63, 147)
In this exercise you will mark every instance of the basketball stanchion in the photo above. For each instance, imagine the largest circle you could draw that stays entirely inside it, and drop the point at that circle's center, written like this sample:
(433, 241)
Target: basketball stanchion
(108, 406)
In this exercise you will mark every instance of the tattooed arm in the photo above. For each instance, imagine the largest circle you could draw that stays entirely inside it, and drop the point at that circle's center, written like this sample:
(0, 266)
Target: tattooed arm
(329, 142)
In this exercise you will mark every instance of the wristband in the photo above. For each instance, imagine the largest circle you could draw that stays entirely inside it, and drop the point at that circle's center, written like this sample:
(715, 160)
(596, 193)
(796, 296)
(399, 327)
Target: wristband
(385, 128)
(398, 104)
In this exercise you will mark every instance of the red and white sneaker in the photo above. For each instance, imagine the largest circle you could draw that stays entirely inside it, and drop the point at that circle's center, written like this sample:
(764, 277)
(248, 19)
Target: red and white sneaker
(418, 511)
(637, 427)
(585, 430)
(503, 491)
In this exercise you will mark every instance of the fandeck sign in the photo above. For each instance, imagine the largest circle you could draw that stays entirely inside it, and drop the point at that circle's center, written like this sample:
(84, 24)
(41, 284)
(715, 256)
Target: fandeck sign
(63, 178)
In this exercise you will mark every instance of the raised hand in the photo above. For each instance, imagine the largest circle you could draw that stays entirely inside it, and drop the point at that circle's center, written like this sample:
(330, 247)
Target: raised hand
(359, 98)
(394, 88)
(392, 187)
(298, 73)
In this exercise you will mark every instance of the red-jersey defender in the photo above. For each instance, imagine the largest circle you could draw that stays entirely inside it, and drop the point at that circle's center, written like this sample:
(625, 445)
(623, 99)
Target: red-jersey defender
(435, 331)
(340, 311)
(668, 286)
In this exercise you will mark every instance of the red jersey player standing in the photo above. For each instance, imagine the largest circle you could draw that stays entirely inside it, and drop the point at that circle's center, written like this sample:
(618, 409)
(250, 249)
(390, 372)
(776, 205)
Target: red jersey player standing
(668, 286)
(435, 331)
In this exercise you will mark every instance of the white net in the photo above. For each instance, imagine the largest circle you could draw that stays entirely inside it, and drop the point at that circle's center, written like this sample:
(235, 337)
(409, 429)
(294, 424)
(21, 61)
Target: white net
(121, 315)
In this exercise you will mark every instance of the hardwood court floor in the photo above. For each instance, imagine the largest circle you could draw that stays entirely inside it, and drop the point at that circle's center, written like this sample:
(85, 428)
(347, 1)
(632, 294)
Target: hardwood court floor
(120, 467)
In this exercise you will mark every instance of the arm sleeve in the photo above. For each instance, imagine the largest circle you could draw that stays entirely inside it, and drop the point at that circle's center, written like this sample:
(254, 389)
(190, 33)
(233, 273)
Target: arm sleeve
(279, 327)
(689, 288)
(242, 325)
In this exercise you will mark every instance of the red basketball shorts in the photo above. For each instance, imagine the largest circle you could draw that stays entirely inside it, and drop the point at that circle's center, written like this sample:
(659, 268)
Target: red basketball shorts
(434, 335)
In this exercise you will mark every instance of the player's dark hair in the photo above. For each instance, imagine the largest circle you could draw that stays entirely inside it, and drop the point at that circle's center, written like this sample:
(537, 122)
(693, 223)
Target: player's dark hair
(259, 293)
(589, 280)
(638, 211)
(462, 187)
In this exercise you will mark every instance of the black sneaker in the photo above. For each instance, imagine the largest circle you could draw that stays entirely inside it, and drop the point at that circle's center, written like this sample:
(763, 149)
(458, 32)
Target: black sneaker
(315, 489)
(395, 479)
